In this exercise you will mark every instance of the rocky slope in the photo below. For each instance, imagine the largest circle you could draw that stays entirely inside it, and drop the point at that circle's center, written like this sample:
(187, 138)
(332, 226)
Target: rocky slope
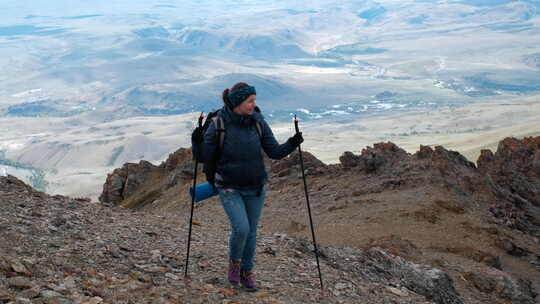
(513, 173)
(434, 207)
(392, 227)
(58, 249)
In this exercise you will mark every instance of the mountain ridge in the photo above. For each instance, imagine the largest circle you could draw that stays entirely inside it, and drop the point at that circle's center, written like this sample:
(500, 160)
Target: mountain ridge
(432, 207)
(393, 227)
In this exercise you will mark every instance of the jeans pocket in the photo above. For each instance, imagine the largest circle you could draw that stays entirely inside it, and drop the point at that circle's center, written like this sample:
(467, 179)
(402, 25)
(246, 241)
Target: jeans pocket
(226, 195)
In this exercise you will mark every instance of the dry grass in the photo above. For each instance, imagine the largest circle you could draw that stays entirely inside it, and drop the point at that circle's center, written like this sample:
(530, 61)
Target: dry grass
(148, 193)
(139, 201)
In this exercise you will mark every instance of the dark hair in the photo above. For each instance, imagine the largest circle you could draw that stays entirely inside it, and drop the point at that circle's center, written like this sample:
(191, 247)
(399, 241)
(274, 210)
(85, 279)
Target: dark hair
(226, 92)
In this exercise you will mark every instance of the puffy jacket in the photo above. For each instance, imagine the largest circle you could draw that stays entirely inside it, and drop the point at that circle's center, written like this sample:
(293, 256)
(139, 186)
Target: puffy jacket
(240, 164)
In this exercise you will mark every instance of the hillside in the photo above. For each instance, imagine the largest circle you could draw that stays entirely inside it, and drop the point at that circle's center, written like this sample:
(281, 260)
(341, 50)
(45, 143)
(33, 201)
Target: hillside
(57, 249)
(478, 223)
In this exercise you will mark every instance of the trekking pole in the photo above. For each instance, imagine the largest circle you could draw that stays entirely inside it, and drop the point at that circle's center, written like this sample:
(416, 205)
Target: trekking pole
(196, 158)
(308, 206)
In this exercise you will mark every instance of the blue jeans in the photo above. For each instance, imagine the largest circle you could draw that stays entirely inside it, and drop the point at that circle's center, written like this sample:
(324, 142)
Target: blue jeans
(243, 207)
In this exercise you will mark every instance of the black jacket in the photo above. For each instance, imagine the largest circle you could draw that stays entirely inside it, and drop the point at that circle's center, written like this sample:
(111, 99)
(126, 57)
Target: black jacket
(240, 164)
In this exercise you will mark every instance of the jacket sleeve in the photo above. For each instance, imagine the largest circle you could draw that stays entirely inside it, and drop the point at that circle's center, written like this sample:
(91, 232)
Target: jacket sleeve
(270, 145)
(209, 144)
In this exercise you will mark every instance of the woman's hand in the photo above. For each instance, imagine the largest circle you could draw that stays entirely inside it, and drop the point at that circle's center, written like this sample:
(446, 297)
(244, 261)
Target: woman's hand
(296, 140)
(197, 136)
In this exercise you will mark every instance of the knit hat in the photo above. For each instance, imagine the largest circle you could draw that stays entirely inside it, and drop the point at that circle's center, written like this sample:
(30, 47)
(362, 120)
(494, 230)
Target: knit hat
(237, 96)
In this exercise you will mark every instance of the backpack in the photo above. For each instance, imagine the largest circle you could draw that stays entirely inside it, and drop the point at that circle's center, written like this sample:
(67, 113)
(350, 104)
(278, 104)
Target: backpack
(209, 166)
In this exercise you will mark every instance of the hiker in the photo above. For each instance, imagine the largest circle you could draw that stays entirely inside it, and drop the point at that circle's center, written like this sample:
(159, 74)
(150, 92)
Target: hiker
(240, 174)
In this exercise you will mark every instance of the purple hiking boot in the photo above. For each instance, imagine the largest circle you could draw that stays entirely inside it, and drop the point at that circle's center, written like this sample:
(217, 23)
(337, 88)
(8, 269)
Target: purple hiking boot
(234, 272)
(247, 278)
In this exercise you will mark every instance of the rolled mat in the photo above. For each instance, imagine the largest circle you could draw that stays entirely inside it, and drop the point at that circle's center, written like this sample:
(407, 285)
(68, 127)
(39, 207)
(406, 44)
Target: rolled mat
(203, 191)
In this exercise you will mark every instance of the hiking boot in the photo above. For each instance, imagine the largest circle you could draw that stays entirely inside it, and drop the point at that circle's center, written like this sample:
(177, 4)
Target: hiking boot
(234, 272)
(247, 278)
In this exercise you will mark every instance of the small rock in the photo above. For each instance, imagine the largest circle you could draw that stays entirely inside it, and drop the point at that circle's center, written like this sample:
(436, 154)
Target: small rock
(29, 293)
(156, 255)
(125, 248)
(397, 292)
(94, 282)
(340, 286)
(4, 294)
(172, 276)
(262, 294)
(36, 214)
(5, 265)
(284, 172)
(18, 267)
(269, 250)
(49, 294)
(209, 287)
(69, 283)
(511, 248)
(94, 292)
(156, 269)
(227, 292)
(29, 261)
(133, 285)
(19, 282)
(356, 193)
(94, 300)
(114, 252)
(58, 221)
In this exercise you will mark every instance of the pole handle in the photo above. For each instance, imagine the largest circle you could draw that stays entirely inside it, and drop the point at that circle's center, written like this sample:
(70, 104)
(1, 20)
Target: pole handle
(296, 124)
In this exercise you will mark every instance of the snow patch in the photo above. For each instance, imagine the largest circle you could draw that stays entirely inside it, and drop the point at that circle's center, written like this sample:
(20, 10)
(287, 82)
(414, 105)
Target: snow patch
(26, 93)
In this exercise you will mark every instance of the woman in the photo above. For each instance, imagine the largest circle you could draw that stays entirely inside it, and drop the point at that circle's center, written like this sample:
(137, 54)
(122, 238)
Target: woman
(240, 174)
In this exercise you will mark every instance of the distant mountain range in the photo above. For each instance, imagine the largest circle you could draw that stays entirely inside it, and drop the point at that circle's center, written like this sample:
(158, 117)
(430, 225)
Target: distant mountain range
(157, 58)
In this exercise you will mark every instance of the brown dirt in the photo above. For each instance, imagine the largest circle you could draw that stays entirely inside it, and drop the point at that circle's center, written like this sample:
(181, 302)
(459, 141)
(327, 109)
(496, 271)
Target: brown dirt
(433, 207)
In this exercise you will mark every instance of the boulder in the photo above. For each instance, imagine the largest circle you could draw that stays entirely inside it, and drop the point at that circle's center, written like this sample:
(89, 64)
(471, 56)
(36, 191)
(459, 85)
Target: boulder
(434, 284)
(513, 174)
(179, 160)
(502, 285)
(123, 182)
(374, 159)
(312, 164)
(349, 160)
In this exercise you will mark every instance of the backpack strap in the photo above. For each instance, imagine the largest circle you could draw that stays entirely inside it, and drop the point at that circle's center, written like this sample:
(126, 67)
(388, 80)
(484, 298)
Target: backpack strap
(220, 130)
(259, 128)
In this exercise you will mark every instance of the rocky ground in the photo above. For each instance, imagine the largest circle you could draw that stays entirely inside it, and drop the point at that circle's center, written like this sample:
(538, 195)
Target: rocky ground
(64, 250)
(393, 227)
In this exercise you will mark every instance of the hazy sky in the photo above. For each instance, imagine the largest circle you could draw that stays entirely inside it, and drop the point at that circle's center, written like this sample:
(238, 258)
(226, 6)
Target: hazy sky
(11, 10)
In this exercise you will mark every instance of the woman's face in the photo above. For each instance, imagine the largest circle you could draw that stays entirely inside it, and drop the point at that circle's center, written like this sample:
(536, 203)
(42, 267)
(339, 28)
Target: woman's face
(247, 107)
